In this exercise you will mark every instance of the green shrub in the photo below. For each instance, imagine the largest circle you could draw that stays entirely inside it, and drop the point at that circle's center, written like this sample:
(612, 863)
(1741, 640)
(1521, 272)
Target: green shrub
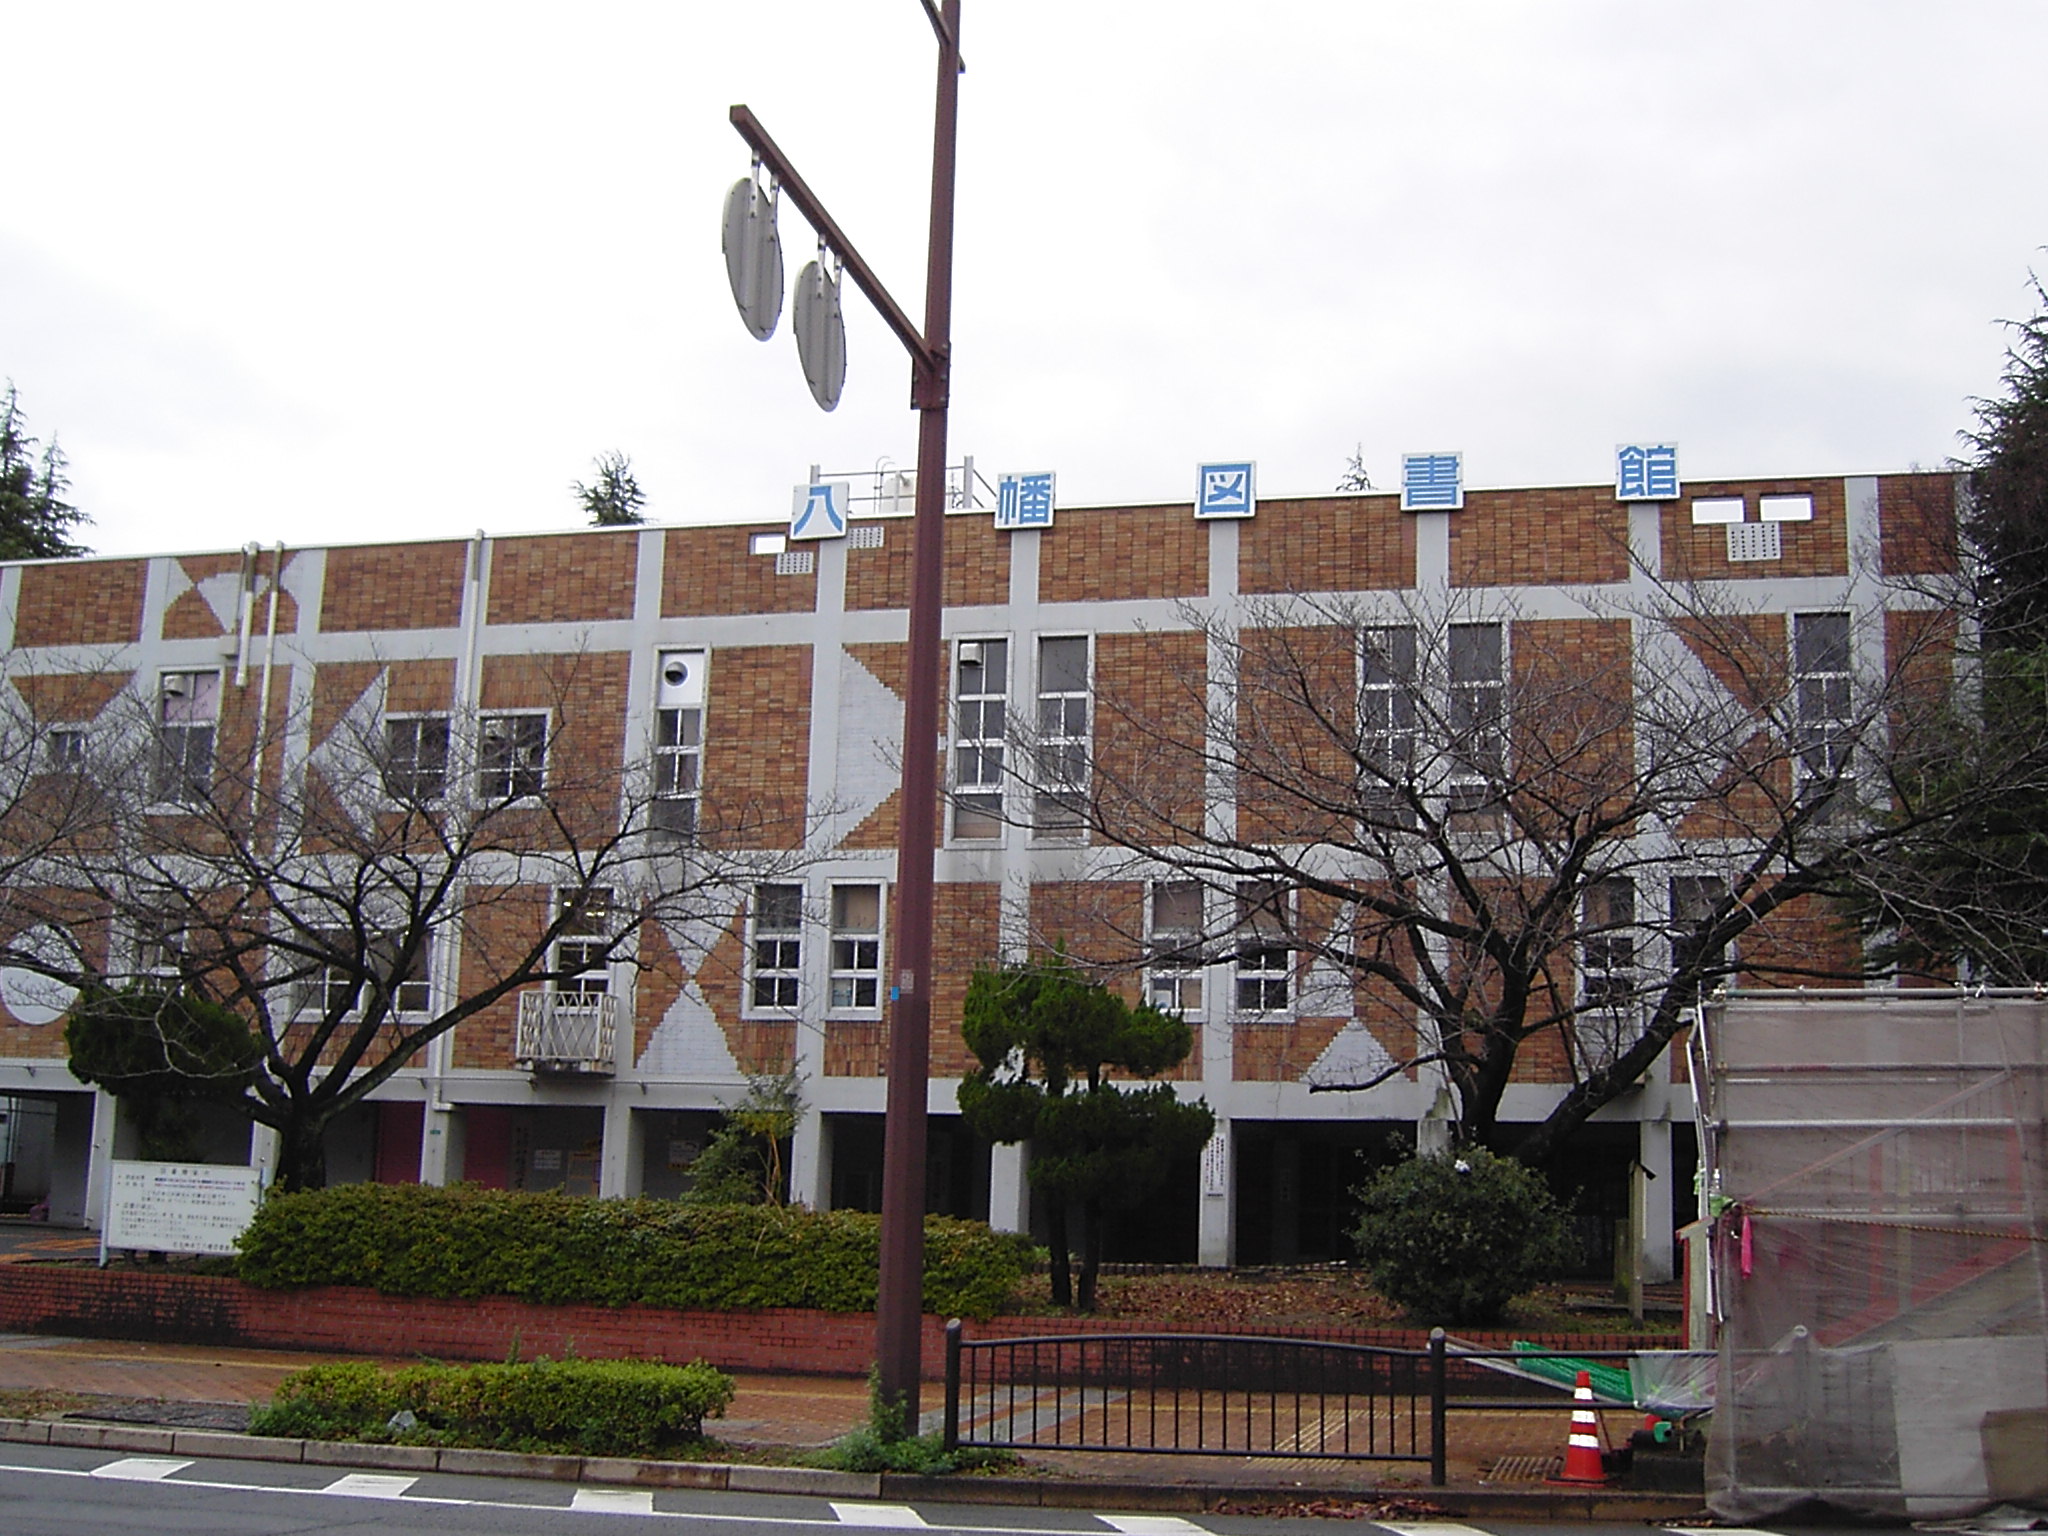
(1455, 1237)
(419, 1240)
(586, 1407)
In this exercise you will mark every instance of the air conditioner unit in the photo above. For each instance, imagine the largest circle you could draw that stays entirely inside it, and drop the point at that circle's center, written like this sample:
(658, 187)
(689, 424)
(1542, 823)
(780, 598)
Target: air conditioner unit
(970, 653)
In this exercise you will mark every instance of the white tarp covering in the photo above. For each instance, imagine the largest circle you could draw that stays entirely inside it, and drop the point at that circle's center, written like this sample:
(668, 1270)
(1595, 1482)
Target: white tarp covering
(1880, 1252)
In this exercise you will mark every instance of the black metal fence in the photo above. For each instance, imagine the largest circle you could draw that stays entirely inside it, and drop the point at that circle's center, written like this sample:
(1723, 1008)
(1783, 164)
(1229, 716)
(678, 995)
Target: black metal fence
(1193, 1394)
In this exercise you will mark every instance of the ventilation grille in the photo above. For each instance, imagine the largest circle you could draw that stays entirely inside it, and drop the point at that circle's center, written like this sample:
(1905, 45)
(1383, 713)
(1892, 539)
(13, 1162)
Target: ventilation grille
(1754, 541)
(865, 536)
(795, 562)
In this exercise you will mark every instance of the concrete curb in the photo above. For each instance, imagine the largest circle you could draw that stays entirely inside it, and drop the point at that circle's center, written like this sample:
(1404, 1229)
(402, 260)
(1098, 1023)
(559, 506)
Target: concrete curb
(816, 1482)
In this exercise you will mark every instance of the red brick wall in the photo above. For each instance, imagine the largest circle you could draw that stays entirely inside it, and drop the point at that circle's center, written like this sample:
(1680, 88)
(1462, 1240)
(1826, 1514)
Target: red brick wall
(712, 571)
(977, 561)
(394, 586)
(1117, 554)
(564, 578)
(757, 740)
(1574, 533)
(190, 616)
(1818, 548)
(1151, 709)
(1916, 521)
(80, 602)
(175, 1308)
(1327, 544)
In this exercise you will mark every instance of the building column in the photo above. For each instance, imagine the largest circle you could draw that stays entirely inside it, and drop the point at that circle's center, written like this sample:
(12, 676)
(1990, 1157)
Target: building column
(810, 1161)
(1009, 1187)
(99, 1155)
(437, 1136)
(1216, 1244)
(1659, 1261)
(619, 1172)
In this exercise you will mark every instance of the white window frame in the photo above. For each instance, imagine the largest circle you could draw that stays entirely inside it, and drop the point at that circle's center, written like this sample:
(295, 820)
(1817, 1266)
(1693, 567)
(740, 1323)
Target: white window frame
(1476, 715)
(1822, 709)
(64, 750)
(1692, 897)
(1610, 970)
(678, 750)
(775, 950)
(520, 780)
(1175, 980)
(182, 773)
(1260, 965)
(980, 747)
(1389, 712)
(405, 785)
(855, 955)
(414, 999)
(1064, 742)
(584, 934)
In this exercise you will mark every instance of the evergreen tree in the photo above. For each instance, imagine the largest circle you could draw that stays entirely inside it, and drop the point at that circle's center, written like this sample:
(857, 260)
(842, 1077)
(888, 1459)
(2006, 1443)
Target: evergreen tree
(614, 498)
(35, 519)
(1046, 1038)
(2009, 490)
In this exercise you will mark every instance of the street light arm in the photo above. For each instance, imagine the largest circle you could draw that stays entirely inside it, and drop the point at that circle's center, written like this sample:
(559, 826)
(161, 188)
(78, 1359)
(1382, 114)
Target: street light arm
(829, 231)
(945, 34)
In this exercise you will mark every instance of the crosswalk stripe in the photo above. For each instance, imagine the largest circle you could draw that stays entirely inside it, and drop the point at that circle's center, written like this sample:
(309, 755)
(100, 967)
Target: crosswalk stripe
(1715, 1530)
(141, 1469)
(1428, 1528)
(899, 1517)
(1152, 1525)
(371, 1485)
(614, 1501)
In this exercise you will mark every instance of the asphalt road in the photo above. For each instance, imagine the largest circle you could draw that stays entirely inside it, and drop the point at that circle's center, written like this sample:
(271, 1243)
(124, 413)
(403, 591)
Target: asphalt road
(48, 1490)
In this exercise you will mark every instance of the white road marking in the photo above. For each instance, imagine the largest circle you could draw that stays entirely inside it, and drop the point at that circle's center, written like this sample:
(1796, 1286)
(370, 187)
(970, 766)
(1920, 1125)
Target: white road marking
(1716, 1530)
(1152, 1525)
(371, 1485)
(897, 1517)
(141, 1469)
(614, 1501)
(1428, 1528)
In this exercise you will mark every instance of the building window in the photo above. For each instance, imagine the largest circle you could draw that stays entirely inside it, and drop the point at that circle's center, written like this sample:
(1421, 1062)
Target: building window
(1820, 681)
(1607, 970)
(511, 756)
(415, 757)
(1060, 801)
(1694, 899)
(64, 750)
(981, 691)
(188, 708)
(1386, 717)
(583, 947)
(337, 990)
(1478, 715)
(1174, 978)
(162, 948)
(1264, 961)
(778, 946)
(678, 742)
(857, 948)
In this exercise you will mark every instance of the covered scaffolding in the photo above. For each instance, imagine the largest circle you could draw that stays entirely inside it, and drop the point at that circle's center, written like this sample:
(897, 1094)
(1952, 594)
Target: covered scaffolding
(1874, 1168)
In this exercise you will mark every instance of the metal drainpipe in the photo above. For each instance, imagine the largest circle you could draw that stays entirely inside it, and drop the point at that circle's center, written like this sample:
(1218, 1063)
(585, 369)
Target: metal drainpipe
(446, 961)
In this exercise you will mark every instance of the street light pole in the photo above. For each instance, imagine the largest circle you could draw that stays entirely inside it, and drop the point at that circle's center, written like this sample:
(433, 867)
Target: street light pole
(899, 1306)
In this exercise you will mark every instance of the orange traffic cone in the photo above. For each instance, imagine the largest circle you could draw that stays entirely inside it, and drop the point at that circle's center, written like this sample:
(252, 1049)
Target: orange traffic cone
(1582, 1464)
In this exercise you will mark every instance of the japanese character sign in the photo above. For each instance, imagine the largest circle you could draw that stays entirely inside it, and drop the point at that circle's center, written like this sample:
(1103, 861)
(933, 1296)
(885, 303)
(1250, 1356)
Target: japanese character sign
(1432, 482)
(1225, 490)
(1646, 472)
(819, 511)
(1024, 501)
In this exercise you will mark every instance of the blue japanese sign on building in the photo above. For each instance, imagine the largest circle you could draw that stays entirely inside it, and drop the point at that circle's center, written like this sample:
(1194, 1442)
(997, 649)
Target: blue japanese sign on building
(819, 511)
(1432, 482)
(1646, 472)
(1024, 501)
(1225, 490)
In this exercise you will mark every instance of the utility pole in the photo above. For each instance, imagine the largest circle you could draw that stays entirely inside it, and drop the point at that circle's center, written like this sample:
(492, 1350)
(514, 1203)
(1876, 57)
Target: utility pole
(899, 1309)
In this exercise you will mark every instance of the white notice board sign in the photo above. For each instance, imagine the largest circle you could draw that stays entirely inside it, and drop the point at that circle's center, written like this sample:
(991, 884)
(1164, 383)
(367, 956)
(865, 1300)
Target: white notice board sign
(179, 1207)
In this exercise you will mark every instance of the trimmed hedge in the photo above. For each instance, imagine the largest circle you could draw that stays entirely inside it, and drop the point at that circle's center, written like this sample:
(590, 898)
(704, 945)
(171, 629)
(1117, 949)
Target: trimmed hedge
(591, 1407)
(461, 1241)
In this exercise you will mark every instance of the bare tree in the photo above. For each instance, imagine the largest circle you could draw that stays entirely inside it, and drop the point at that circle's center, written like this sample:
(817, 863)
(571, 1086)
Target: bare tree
(1481, 830)
(354, 883)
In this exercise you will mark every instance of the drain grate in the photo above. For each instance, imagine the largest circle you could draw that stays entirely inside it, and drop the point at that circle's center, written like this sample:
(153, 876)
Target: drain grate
(1524, 1469)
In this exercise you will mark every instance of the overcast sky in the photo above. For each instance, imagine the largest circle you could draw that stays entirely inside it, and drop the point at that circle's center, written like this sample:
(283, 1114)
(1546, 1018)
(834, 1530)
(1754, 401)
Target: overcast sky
(321, 272)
